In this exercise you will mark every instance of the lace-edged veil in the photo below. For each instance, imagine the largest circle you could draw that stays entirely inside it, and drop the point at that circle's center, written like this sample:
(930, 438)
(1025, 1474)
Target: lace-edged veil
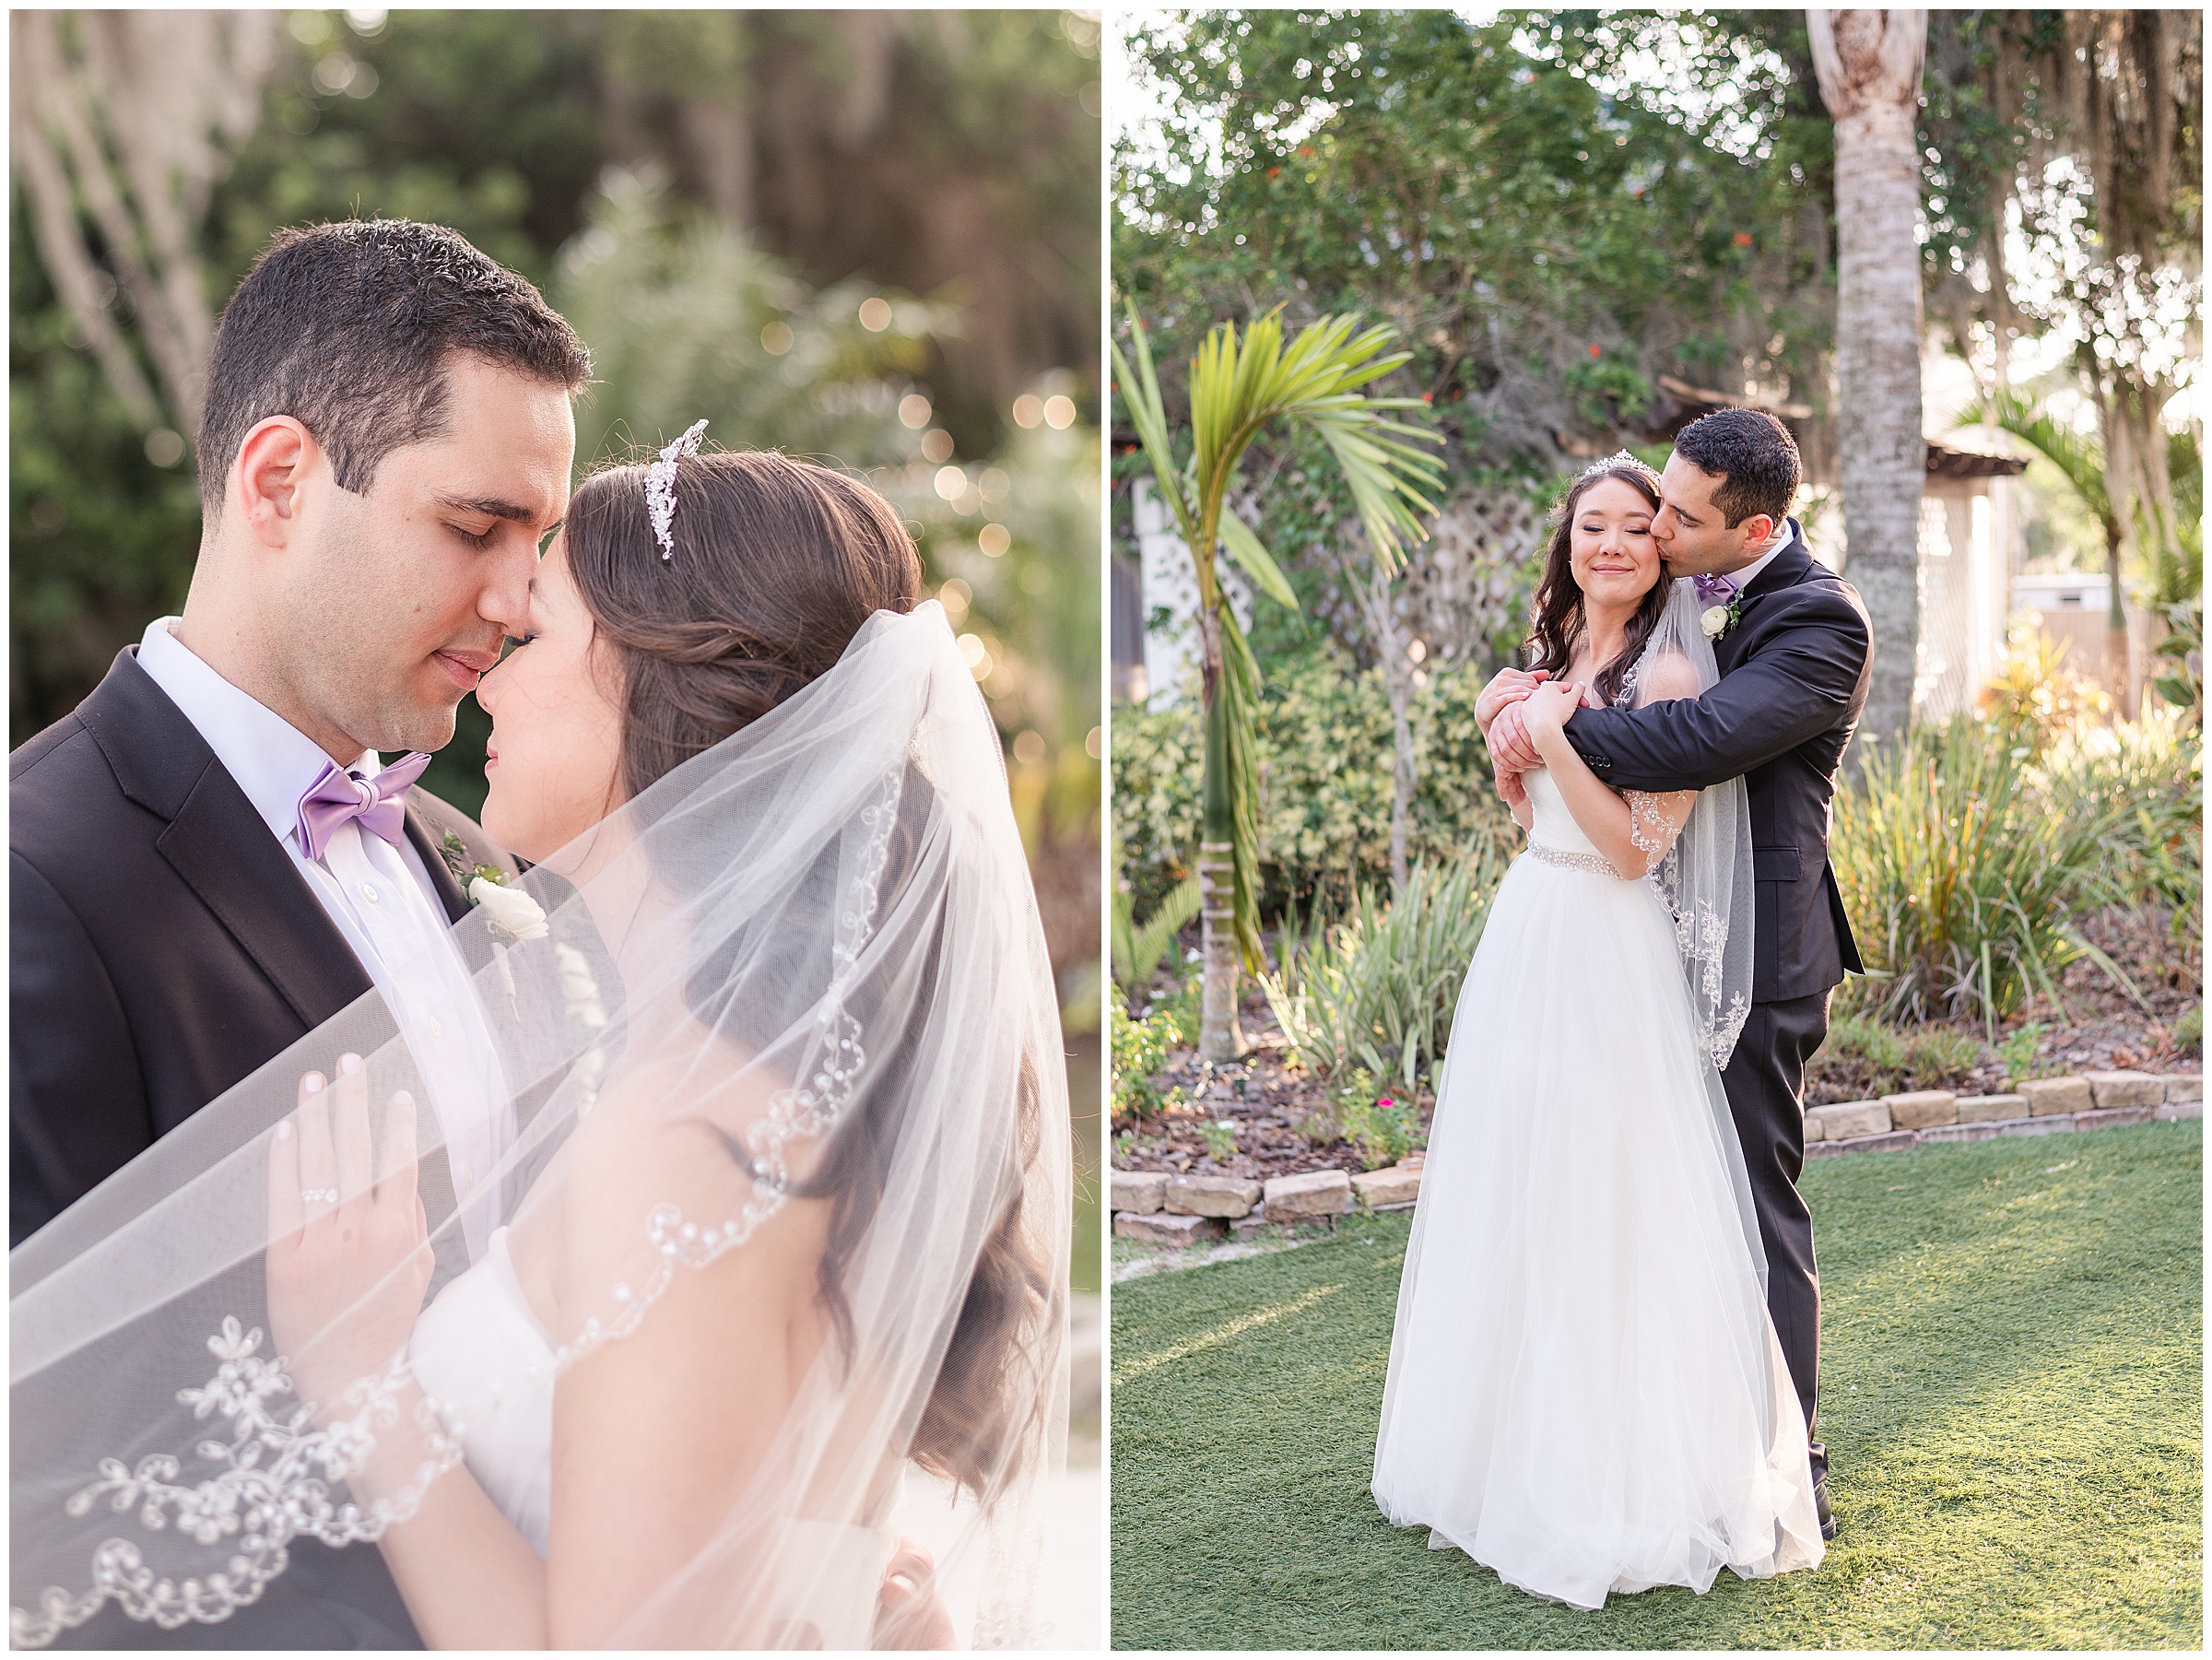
(1706, 881)
(790, 1005)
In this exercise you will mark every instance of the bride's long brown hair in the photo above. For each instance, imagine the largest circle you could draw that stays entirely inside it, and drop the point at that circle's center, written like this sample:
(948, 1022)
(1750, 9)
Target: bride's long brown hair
(1558, 611)
(777, 564)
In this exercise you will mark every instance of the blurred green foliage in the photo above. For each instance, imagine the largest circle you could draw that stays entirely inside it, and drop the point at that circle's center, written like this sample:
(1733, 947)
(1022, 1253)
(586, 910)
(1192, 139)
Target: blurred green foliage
(505, 126)
(1325, 755)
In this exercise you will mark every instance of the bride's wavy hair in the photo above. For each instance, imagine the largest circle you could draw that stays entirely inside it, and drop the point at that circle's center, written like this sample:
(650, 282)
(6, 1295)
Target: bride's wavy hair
(777, 564)
(1558, 618)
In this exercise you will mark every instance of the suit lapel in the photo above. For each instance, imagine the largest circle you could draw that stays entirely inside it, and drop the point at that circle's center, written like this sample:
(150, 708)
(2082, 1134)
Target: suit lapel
(1788, 568)
(220, 846)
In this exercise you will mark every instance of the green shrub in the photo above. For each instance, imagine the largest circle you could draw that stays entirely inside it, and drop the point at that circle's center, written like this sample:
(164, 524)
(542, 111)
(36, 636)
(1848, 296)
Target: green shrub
(2189, 1031)
(1862, 1059)
(1138, 946)
(2038, 695)
(2021, 1054)
(1383, 1128)
(1377, 989)
(1961, 870)
(1934, 1052)
(1220, 1138)
(1139, 1049)
(2141, 785)
(1326, 759)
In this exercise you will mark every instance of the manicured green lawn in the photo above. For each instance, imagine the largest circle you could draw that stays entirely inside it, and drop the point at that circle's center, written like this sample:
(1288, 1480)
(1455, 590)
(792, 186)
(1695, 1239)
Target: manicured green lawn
(2012, 1398)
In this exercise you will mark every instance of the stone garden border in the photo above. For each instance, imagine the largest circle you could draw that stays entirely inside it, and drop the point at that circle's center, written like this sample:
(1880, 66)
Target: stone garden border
(1158, 1209)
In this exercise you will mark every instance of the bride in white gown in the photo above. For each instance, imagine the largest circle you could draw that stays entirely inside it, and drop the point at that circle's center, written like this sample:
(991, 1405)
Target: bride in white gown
(765, 1226)
(1585, 1392)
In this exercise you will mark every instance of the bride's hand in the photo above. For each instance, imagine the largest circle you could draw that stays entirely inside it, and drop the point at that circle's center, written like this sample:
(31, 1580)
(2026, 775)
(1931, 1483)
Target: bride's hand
(1546, 712)
(349, 1256)
(909, 1612)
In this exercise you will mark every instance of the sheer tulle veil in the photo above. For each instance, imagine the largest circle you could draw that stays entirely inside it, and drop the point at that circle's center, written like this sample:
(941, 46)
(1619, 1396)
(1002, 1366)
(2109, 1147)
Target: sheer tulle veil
(1705, 879)
(810, 958)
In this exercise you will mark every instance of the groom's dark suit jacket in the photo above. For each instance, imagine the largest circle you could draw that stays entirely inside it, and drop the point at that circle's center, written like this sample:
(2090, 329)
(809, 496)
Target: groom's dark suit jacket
(162, 946)
(1794, 677)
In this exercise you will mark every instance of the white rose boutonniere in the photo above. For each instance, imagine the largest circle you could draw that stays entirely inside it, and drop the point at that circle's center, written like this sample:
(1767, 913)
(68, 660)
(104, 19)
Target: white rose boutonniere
(1717, 621)
(511, 911)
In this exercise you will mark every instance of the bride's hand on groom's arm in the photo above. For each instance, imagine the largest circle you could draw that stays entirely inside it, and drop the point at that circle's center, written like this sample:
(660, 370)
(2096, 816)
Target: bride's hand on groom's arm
(349, 1257)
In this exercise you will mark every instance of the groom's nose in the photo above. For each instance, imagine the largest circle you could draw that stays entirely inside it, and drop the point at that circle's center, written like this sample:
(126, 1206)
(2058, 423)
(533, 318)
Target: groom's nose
(505, 596)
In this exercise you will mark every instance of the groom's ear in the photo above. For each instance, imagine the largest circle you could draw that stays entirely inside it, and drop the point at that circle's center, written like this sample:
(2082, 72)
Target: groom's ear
(273, 463)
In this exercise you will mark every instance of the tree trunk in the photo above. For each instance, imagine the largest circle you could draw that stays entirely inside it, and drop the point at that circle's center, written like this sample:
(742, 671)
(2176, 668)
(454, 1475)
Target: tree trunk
(1869, 64)
(1397, 680)
(1220, 966)
(1404, 778)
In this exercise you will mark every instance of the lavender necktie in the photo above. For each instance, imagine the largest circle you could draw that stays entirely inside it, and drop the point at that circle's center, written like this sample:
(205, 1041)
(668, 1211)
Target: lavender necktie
(337, 795)
(1715, 590)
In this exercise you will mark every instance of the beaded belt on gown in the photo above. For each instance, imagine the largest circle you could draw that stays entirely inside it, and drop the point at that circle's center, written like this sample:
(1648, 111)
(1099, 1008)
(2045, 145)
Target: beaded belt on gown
(1595, 864)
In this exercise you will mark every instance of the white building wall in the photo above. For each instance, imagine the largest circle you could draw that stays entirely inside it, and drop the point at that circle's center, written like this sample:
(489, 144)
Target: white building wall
(1171, 583)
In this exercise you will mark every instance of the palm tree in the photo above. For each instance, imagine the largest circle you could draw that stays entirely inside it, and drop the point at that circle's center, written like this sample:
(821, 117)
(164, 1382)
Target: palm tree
(1237, 390)
(1869, 64)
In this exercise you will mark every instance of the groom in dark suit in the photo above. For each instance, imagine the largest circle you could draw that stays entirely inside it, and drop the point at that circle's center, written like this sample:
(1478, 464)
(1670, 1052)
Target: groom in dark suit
(1795, 661)
(386, 440)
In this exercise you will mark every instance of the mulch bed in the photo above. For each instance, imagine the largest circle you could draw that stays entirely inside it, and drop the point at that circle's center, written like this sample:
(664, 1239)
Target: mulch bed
(1268, 1100)
(1272, 1104)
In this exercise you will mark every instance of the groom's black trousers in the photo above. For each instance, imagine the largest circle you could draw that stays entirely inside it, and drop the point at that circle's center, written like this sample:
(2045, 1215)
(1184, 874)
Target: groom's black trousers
(1765, 1081)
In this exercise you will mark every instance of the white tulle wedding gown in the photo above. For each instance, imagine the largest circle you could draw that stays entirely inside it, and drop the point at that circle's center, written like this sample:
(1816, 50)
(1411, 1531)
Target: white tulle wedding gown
(1585, 1393)
(486, 1363)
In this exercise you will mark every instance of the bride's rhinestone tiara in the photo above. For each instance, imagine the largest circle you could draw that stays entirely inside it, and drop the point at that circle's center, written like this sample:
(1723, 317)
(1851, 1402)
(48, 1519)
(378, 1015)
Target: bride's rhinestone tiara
(1615, 459)
(660, 486)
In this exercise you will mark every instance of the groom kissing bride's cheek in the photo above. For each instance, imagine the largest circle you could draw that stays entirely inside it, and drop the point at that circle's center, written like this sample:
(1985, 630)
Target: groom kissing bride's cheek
(410, 1250)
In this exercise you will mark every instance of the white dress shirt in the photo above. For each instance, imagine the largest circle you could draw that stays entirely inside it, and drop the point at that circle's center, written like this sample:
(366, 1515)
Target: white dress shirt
(381, 899)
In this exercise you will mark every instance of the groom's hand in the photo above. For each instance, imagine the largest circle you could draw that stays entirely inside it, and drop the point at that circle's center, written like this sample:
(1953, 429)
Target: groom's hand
(1511, 748)
(909, 1613)
(1506, 686)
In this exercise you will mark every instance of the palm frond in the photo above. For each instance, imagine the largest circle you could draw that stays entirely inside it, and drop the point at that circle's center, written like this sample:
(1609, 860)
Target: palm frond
(1255, 560)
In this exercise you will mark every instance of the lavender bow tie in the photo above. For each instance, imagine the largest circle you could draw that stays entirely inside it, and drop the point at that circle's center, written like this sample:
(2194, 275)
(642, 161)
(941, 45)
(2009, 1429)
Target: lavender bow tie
(1715, 590)
(337, 795)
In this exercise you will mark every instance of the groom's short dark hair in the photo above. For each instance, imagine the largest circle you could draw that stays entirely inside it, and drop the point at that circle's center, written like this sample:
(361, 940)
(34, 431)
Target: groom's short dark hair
(1753, 455)
(348, 328)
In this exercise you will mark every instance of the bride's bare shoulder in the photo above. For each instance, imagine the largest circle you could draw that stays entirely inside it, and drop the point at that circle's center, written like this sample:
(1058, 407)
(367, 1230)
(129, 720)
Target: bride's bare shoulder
(1665, 677)
(685, 1126)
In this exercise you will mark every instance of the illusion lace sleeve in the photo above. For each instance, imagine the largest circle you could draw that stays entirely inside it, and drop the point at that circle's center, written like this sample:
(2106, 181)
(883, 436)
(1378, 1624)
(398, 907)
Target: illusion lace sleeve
(1655, 822)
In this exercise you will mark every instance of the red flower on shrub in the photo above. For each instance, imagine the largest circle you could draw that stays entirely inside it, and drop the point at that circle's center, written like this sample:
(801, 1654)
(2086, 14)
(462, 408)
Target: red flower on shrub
(1595, 350)
(1742, 239)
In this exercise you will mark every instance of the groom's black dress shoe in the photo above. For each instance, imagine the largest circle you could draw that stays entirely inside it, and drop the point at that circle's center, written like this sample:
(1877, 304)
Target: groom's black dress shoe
(1826, 1516)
